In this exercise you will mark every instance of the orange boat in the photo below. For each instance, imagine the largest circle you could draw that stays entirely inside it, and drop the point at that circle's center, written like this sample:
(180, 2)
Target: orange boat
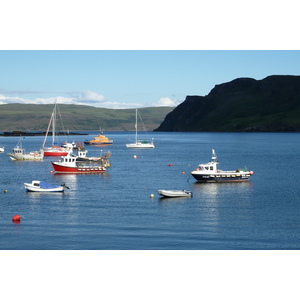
(99, 140)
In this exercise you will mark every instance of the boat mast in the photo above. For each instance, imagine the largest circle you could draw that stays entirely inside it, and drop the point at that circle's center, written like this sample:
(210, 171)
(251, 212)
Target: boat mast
(46, 135)
(136, 136)
(53, 124)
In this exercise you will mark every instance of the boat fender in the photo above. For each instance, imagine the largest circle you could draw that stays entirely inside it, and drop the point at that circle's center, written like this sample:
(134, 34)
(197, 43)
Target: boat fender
(251, 172)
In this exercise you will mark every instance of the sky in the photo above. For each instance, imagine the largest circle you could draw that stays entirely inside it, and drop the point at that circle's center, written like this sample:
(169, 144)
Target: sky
(131, 78)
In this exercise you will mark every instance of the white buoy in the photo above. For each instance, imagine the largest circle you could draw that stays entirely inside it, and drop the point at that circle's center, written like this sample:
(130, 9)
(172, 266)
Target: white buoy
(151, 196)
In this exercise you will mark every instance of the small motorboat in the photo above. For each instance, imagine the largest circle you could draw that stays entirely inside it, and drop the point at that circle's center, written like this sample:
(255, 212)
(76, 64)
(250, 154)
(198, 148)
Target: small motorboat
(175, 193)
(209, 173)
(41, 186)
(2, 149)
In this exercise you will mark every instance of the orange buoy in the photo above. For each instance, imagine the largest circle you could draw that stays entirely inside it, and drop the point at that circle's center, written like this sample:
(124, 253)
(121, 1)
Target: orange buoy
(182, 172)
(170, 165)
(16, 219)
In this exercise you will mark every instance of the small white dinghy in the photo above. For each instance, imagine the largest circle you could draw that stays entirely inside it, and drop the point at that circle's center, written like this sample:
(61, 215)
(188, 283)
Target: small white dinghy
(41, 186)
(175, 193)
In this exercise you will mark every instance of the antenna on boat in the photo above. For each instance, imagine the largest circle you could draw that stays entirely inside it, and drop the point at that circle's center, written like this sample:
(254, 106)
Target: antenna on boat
(214, 155)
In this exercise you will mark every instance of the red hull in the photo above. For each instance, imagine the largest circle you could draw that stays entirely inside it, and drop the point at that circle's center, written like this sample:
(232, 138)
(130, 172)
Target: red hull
(55, 153)
(77, 170)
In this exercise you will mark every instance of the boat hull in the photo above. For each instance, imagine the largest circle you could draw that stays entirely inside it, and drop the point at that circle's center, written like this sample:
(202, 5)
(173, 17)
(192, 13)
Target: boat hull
(226, 177)
(34, 157)
(58, 168)
(175, 193)
(140, 145)
(30, 188)
(55, 152)
(97, 144)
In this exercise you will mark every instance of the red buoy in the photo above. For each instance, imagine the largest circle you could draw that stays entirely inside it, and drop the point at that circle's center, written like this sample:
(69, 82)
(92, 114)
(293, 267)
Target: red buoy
(170, 165)
(16, 219)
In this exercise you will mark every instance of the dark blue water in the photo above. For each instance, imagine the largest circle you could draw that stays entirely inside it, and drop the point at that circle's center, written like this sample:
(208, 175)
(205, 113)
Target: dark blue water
(114, 210)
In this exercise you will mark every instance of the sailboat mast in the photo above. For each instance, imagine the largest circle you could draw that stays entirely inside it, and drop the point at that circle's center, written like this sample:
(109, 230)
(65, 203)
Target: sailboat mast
(46, 135)
(53, 124)
(136, 136)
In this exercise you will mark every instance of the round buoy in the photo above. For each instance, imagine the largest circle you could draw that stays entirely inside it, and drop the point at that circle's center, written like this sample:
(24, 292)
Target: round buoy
(251, 172)
(170, 165)
(151, 196)
(5, 191)
(182, 172)
(16, 218)
(134, 156)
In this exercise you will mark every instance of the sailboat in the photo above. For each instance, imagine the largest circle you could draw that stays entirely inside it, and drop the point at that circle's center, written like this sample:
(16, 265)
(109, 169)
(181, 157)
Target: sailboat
(54, 150)
(139, 143)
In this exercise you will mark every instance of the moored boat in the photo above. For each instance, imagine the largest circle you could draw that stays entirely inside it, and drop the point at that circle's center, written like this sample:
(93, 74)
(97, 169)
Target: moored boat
(141, 144)
(209, 173)
(68, 164)
(99, 140)
(41, 186)
(55, 150)
(20, 154)
(175, 193)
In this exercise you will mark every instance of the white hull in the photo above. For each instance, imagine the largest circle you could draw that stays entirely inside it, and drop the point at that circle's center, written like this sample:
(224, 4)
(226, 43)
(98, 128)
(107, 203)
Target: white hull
(30, 156)
(175, 193)
(140, 145)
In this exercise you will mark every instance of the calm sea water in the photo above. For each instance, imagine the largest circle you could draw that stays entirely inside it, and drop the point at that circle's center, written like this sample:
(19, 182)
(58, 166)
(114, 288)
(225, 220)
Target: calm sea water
(115, 211)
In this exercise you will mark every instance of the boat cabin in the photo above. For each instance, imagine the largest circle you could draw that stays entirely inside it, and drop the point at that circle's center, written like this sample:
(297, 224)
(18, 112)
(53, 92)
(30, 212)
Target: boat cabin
(210, 167)
(18, 150)
(68, 160)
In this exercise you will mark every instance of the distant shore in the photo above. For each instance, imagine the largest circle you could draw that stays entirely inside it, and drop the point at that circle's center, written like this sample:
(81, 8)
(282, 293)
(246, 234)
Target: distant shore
(29, 133)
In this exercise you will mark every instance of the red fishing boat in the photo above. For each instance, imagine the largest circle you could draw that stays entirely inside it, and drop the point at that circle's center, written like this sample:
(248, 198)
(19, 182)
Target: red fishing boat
(68, 164)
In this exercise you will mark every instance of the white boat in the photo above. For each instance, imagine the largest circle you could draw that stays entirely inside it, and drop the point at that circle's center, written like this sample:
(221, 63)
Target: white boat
(1, 149)
(55, 150)
(41, 186)
(139, 143)
(175, 193)
(209, 173)
(20, 154)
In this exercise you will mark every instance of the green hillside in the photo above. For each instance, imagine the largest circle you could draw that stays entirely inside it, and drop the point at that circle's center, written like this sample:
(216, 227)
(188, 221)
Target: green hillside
(244, 104)
(35, 117)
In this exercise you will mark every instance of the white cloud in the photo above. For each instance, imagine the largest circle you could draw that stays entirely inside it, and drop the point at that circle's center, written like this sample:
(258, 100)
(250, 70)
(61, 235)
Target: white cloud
(165, 101)
(81, 98)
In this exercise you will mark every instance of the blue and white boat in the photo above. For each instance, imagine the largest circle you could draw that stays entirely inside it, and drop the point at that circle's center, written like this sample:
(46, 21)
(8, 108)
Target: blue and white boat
(209, 173)
(41, 186)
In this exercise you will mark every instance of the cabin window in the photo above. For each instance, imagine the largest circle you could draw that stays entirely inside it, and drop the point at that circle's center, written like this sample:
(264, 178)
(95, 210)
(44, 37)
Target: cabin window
(211, 167)
(206, 168)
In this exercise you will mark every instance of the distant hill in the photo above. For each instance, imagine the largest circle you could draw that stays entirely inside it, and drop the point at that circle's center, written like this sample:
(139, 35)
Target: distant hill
(244, 104)
(35, 117)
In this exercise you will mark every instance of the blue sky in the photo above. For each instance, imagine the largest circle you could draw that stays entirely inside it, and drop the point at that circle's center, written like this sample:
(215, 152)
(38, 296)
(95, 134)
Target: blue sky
(131, 78)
